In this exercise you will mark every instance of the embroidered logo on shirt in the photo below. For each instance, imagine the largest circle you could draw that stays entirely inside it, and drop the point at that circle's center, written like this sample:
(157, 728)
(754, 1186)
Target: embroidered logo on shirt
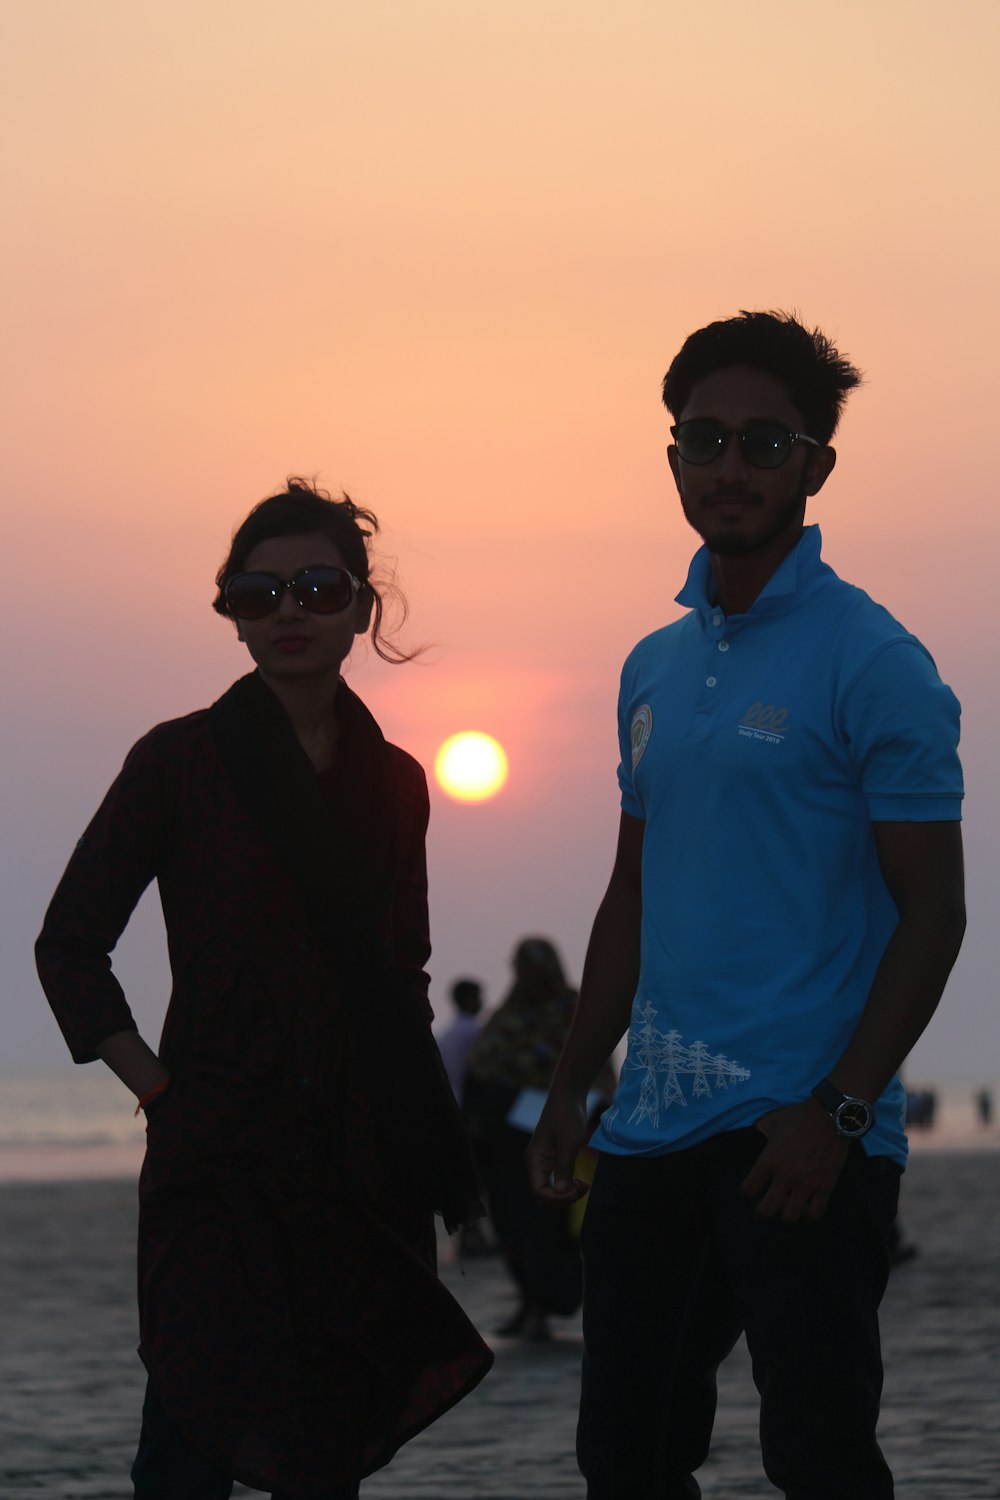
(642, 728)
(665, 1061)
(763, 721)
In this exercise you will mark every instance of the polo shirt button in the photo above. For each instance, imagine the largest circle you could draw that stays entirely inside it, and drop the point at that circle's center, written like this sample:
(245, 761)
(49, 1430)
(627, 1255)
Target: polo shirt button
(723, 645)
(710, 681)
(716, 619)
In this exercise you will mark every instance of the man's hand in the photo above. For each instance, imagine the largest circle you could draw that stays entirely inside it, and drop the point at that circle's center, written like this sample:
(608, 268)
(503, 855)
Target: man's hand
(552, 1150)
(795, 1173)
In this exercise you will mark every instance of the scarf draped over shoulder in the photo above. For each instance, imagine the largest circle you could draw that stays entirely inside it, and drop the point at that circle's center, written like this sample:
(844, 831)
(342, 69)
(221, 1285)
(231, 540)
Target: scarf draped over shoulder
(341, 856)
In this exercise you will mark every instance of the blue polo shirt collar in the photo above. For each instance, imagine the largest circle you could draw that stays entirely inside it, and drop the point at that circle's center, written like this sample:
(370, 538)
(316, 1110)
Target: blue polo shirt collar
(800, 568)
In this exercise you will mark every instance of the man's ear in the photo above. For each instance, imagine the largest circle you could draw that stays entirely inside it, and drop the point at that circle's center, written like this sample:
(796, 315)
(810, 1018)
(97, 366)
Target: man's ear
(673, 459)
(822, 462)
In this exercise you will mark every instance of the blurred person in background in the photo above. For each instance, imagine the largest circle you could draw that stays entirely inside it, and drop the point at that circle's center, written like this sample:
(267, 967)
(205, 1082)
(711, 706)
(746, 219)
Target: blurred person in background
(301, 1133)
(453, 1044)
(509, 1067)
(460, 1033)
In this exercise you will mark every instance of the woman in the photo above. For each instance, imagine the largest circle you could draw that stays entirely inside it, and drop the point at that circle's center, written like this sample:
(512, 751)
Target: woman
(509, 1068)
(300, 1131)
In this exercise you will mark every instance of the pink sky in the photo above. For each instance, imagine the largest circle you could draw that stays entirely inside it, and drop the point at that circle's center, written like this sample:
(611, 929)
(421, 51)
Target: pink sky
(441, 254)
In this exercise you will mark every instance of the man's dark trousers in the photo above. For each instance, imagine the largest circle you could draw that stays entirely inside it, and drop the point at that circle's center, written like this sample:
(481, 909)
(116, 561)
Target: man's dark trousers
(676, 1265)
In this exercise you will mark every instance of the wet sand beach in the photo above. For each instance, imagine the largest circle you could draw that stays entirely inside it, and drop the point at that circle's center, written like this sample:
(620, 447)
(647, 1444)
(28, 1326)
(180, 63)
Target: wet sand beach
(72, 1383)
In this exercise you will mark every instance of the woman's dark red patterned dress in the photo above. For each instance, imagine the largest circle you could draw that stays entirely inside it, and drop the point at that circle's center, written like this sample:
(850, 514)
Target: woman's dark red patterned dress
(290, 1316)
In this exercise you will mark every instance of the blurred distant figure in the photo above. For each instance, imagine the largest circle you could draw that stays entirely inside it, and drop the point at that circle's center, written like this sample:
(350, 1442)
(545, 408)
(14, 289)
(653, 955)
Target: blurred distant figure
(983, 1100)
(453, 1044)
(921, 1108)
(900, 1248)
(510, 1065)
(457, 1037)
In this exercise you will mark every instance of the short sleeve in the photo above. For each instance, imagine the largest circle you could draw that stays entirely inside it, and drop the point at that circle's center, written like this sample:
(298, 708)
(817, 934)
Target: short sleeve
(901, 725)
(631, 803)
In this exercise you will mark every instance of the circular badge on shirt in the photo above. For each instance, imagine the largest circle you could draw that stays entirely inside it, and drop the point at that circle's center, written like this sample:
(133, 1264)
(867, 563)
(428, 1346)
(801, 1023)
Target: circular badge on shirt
(642, 728)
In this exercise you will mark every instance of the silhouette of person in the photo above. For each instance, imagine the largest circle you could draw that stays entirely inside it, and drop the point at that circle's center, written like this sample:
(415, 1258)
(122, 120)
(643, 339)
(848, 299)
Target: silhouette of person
(785, 906)
(301, 1133)
(509, 1064)
(460, 1033)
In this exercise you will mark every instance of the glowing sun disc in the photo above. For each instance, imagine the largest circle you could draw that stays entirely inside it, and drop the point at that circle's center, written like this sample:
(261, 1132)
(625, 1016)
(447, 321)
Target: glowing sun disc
(471, 766)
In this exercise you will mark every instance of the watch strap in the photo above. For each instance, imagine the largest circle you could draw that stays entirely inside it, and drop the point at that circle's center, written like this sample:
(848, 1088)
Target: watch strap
(844, 1110)
(828, 1094)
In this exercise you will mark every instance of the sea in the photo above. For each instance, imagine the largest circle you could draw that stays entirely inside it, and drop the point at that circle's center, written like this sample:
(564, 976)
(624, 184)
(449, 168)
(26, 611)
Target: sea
(79, 1123)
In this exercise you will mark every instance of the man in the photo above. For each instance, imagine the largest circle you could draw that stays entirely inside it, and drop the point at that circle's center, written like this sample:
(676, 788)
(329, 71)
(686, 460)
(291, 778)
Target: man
(785, 906)
(459, 1035)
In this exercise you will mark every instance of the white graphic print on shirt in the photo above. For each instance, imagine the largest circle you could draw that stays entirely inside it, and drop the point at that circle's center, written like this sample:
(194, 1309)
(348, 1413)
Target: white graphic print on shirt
(664, 1061)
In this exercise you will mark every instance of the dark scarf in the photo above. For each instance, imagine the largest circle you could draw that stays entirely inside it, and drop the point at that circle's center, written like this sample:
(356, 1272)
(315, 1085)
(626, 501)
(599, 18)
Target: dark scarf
(343, 865)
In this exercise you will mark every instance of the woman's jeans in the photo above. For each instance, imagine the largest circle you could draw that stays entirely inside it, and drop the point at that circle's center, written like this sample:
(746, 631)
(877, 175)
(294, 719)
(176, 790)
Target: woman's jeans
(167, 1467)
(676, 1266)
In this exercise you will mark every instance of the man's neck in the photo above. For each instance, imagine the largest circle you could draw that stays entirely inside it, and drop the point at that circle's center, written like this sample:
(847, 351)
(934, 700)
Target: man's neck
(740, 580)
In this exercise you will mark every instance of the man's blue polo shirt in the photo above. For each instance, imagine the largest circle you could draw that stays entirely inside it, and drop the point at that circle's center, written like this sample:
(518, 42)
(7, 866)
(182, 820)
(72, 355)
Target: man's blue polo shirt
(759, 749)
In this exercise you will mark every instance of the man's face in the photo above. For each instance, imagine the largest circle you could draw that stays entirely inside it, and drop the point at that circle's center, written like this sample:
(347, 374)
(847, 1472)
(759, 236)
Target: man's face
(735, 508)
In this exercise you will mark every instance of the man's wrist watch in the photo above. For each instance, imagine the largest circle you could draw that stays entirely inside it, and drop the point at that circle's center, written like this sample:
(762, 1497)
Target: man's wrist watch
(852, 1117)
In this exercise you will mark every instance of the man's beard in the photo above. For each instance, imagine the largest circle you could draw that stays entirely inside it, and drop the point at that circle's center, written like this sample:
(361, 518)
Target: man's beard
(726, 542)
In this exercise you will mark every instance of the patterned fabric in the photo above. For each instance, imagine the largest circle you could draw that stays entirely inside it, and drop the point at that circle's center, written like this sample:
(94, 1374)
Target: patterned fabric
(290, 1316)
(519, 1046)
(338, 843)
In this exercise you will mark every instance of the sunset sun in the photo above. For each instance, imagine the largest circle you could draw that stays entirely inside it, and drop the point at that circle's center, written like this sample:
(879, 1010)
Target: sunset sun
(471, 766)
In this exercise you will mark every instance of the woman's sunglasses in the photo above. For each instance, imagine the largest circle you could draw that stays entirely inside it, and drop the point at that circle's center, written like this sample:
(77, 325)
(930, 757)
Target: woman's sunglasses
(322, 591)
(765, 445)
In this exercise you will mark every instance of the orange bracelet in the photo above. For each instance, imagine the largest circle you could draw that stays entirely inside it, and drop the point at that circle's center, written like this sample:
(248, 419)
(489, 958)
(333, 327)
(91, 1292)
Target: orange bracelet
(151, 1095)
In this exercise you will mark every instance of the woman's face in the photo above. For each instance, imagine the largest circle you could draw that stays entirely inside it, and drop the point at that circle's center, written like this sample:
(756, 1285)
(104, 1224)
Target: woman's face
(293, 643)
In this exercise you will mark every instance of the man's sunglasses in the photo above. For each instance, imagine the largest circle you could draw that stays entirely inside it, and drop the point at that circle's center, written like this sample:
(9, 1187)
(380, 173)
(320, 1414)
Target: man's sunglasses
(322, 591)
(765, 445)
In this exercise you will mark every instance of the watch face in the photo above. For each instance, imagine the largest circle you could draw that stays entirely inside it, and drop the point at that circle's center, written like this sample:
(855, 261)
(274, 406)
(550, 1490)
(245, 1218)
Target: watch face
(854, 1117)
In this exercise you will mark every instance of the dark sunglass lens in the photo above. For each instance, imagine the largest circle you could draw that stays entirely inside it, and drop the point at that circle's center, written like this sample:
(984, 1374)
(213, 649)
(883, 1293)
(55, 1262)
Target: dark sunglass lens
(766, 445)
(324, 591)
(699, 442)
(251, 596)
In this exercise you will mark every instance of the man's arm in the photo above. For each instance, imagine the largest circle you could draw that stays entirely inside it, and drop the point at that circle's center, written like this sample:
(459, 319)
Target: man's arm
(610, 976)
(921, 864)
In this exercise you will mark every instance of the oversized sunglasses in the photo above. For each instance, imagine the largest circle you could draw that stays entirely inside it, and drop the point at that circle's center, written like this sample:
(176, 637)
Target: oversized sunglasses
(322, 591)
(765, 445)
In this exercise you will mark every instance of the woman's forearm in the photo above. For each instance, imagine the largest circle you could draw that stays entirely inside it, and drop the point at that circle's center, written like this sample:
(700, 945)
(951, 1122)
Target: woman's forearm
(134, 1061)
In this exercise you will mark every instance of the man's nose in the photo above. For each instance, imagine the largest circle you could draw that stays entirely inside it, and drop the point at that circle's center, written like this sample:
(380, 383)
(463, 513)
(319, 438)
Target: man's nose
(731, 462)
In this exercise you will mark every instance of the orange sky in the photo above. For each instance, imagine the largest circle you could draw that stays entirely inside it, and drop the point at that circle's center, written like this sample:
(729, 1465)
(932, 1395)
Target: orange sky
(441, 253)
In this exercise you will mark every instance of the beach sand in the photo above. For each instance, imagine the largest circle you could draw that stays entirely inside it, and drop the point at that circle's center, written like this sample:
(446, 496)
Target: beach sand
(72, 1384)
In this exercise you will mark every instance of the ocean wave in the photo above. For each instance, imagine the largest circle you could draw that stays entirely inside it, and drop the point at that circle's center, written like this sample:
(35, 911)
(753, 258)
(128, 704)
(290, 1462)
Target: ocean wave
(53, 1141)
